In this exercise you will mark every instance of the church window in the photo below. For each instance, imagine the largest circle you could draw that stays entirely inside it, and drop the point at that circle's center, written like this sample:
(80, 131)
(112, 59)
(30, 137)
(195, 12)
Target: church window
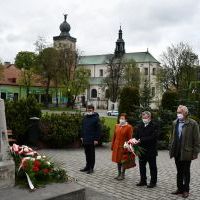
(154, 71)
(93, 93)
(101, 72)
(145, 71)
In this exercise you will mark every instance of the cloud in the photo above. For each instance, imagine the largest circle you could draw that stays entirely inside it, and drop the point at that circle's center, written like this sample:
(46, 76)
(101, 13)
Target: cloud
(153, 24)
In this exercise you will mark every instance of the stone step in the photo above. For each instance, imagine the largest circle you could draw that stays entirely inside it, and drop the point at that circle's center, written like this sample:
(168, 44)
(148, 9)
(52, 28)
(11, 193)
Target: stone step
(55, 191)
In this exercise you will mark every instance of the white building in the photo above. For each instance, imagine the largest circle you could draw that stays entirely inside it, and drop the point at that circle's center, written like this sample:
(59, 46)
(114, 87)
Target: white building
(96, 94)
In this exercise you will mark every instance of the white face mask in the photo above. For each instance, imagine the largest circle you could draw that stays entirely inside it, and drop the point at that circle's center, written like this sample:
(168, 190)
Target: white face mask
(180, 116)
(89, 113)
(122, 121)
(145, 121)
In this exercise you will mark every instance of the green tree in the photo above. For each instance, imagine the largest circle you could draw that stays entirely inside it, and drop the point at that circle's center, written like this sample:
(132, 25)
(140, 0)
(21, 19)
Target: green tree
(78, 85)
(49, 68)
(129, 100)
(169, 100)
(145, 98)
(26, 61)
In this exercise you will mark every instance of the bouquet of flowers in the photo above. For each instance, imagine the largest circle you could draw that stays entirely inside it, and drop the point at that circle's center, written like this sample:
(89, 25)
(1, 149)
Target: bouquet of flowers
(34, 168)
(131, 150)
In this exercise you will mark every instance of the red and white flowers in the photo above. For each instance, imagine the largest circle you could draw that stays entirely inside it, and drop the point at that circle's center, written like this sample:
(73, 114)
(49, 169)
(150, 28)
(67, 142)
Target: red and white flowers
(131, 144)
(34, 167)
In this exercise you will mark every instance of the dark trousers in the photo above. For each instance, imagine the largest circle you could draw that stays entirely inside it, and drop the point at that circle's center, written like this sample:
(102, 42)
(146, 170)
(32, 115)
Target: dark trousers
(90, 155)
(152, 166)
(183, 175)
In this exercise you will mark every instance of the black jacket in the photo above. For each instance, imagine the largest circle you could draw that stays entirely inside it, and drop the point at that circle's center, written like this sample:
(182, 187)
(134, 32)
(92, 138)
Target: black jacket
(148, 137)
(91, 128)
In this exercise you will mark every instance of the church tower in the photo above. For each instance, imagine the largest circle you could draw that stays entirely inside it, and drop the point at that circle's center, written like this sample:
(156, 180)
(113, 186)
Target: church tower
(64, 40)
(120, 45)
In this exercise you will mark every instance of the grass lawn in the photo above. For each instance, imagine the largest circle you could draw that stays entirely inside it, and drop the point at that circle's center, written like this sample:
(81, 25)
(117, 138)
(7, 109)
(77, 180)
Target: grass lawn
(110, 122)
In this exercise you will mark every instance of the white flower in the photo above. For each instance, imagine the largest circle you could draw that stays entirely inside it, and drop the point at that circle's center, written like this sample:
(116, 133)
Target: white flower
(126, 145)
(48, 163)
(39, 157)
(26, 149)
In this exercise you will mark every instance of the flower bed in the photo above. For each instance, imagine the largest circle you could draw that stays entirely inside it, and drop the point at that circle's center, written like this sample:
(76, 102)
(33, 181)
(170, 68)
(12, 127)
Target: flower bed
(34, 169)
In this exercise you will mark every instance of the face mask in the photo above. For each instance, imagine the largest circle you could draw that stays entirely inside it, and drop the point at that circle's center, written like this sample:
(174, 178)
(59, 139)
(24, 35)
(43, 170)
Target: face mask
(180, 116)
(145, 121)
(89, 113)
(122, 121)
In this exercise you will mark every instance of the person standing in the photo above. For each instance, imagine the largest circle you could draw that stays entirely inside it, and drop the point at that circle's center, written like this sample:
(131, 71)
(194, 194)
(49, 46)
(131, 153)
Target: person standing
(122, 133)
(147, 133)
(90, 135)
(184, 147)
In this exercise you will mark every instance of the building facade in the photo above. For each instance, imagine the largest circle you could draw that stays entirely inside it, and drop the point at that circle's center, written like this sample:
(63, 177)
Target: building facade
(97, 93)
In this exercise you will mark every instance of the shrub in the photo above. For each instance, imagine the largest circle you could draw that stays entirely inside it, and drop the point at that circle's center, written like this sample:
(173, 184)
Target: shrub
(18, 114)
(169, 100)
(129, 100)
(60, 131)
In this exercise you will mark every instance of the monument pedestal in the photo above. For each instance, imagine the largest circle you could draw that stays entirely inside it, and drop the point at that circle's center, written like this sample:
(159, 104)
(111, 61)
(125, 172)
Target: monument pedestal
(7, 165)
(7, 173)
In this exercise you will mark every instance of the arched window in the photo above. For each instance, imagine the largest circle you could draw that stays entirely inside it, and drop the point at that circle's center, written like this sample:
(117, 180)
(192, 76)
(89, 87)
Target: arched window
(93, 93)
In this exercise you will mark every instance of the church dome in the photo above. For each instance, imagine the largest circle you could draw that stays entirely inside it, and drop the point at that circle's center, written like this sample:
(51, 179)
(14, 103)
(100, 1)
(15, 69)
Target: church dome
(64, 27)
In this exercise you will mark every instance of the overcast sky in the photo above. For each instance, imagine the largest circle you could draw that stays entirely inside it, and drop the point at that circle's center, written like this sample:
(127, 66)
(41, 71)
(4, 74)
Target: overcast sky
(152, 24)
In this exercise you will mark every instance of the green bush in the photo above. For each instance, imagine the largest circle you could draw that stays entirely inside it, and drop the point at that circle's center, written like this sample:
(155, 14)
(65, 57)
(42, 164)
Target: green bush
(169, 100)
(18, 114)
(105, 132)
(60, 131)
(129, 100)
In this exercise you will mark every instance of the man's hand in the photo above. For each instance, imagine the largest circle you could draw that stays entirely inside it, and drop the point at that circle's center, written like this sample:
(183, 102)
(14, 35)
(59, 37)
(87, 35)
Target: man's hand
(95, 142)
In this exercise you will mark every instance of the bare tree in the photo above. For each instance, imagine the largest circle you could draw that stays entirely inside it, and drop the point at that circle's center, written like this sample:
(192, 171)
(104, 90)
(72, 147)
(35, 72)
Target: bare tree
(131, 74)
(178, 66)
(115, 71)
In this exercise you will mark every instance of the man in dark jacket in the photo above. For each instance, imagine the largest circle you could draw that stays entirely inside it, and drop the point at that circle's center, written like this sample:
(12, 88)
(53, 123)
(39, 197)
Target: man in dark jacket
(147, 133)
(90, 135)
(184, 147)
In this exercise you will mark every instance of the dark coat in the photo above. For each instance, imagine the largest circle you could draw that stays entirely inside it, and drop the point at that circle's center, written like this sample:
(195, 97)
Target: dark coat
(148, 138)
(91, 128)
(190, 142)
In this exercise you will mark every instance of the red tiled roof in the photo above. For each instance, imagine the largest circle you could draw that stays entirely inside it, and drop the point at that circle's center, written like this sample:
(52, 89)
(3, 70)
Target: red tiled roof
(12, 76)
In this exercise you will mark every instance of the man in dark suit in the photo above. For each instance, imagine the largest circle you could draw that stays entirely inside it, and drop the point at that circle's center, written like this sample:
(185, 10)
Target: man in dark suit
(147, 133)
(90, 135)
(184, 147)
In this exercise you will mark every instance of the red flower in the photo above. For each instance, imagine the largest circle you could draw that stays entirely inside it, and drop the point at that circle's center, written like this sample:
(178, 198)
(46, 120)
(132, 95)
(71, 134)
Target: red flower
(35, 169)
(37, 163)
(45, 171)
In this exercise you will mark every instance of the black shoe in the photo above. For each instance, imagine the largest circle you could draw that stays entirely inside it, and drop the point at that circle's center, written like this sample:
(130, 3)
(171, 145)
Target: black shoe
(85, 169)
(151, 185)
(177, 192)
(90, 171)
(141, 184)
(185, 194)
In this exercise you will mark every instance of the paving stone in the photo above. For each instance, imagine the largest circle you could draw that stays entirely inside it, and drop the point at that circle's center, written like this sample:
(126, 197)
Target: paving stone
(102, 180)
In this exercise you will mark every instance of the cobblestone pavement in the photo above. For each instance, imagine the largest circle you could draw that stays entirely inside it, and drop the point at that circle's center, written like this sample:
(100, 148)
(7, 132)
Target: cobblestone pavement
(102, 180)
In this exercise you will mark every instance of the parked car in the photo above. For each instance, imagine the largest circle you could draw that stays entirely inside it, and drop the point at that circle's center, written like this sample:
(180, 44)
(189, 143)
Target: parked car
(112, 113)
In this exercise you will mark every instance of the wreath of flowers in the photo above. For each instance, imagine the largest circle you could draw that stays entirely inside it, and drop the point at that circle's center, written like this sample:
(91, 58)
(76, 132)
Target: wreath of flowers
(35, 169)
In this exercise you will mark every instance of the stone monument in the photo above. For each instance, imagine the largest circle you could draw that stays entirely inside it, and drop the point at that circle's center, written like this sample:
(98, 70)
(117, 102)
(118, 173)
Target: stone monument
(7, 165)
